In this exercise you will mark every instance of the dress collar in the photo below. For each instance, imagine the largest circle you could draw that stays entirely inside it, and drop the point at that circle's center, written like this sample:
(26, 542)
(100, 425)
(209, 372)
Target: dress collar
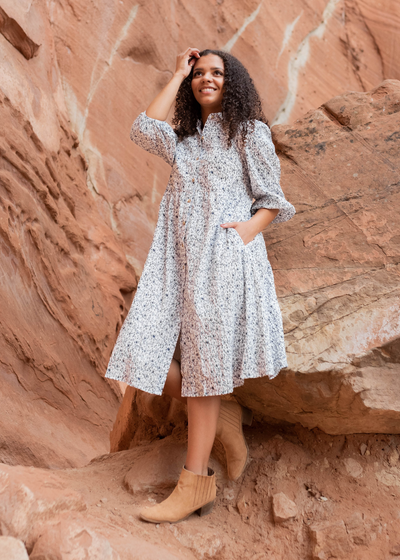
(211, 117)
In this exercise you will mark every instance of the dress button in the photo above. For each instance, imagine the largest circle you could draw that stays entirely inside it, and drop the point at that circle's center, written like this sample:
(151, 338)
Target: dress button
(202, 137)
(189, 200)
(192, 180)
(183, 222)
(183, 245)
(197, 159)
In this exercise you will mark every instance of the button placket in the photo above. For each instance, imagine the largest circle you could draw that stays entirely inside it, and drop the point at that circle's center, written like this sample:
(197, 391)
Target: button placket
(190, 196)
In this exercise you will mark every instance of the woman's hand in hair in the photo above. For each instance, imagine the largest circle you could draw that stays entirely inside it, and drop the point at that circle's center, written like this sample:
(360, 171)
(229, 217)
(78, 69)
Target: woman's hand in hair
(162, 103)
(185, 61)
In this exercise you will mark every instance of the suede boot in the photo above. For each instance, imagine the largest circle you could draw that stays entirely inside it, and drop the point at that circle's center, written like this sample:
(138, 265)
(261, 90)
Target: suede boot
(230, 434)
(193, 493)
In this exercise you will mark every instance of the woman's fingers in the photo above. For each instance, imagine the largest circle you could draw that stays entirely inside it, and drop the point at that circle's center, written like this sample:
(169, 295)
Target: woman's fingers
(229, 224)
(193, 50)
(185, 60)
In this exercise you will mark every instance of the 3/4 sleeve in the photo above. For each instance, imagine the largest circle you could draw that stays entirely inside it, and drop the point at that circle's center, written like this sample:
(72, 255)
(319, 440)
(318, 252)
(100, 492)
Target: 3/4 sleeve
(154, 136)
(264, 170)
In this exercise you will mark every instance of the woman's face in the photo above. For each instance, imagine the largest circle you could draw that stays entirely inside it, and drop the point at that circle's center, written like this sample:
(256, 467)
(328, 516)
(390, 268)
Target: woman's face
(208, 81)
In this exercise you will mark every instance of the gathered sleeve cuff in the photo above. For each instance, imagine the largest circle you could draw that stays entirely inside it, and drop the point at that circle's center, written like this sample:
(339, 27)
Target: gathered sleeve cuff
(264, 171)
(154, 136)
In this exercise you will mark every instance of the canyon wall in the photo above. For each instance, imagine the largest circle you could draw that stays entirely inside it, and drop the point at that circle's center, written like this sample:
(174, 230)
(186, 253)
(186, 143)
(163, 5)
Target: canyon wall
(79, 201)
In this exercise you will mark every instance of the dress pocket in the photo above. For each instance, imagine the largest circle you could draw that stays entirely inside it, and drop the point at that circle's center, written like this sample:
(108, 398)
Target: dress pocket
(236, 234)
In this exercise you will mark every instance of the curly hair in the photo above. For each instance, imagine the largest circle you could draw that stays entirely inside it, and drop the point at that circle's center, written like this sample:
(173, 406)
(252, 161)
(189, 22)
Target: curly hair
(241, 104)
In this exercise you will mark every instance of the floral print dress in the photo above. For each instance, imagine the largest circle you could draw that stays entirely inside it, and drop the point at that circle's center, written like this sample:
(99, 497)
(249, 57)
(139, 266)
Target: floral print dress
(200, 280)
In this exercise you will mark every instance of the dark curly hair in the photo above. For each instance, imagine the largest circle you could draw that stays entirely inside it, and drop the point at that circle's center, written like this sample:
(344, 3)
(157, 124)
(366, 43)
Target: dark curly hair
(241, 104)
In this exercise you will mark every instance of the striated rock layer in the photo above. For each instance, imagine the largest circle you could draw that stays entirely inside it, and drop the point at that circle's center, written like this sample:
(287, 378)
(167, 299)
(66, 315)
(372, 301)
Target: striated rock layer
(337, 275)
(79, 202)
(336, 267)
(102, 63)
(63, 282)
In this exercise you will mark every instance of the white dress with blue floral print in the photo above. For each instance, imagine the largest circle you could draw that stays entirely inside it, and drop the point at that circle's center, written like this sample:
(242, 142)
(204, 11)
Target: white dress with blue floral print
(199, 279)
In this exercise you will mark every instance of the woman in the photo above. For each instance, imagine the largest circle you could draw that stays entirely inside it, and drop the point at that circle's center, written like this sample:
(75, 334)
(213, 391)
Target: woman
(207, 277)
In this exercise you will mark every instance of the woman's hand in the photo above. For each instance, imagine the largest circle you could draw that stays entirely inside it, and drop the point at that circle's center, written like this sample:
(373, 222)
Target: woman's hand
(250, 228)
(185, 61)
(162, 103)
(244, 229)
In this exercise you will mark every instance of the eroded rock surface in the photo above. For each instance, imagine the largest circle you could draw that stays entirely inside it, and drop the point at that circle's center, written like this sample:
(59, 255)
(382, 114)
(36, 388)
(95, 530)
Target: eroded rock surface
(65, 287)
(79, 205)
(102, 64)
(336, 267)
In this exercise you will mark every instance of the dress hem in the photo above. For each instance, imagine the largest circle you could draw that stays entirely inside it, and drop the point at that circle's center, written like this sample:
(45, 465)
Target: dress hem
(212, 394)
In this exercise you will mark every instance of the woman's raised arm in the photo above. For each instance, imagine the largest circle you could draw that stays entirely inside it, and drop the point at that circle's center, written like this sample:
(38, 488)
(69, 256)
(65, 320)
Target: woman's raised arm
(162, 103)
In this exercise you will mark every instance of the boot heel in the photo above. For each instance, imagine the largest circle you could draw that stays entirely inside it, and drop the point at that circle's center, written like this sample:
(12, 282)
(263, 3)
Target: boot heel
(205, 510)
(247, 416)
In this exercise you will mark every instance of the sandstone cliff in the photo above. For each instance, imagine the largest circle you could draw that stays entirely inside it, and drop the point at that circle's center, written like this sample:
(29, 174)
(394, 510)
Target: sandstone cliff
(80, 202)
(78, 205)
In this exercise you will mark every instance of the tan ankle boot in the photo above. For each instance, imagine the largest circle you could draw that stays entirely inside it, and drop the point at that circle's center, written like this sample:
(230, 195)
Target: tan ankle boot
(230, 434)
(193, 493)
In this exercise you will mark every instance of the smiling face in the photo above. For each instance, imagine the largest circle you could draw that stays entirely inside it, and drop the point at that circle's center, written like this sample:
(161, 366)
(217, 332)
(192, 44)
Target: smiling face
(208, 82)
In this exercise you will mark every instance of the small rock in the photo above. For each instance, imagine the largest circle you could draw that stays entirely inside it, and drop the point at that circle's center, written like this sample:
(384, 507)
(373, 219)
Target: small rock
(389, 477)
(283, 508)
(393, 457)
(103, 500)
(353, 468)
(243, 501)
(313, 490)
(395, 550)
(71, 538)
(12, 549)
(329, 540)
(229, 494)
(357, 530)
(242, 505)
(363, 448)
(28, 496)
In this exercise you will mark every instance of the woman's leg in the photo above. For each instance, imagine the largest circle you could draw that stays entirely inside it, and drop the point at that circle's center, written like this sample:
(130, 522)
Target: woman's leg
(173, 383)
(203, 415)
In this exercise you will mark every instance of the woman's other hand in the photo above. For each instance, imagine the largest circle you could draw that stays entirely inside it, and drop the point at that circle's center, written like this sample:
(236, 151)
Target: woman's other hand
(244, 229)
(185, 61)
(250, 228)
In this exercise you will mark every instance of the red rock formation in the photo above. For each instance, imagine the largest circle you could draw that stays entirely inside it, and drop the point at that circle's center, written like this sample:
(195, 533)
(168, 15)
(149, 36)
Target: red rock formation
(113, 61)
(96, 68)
(64, 289)
(336, 267)
(14, 33)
